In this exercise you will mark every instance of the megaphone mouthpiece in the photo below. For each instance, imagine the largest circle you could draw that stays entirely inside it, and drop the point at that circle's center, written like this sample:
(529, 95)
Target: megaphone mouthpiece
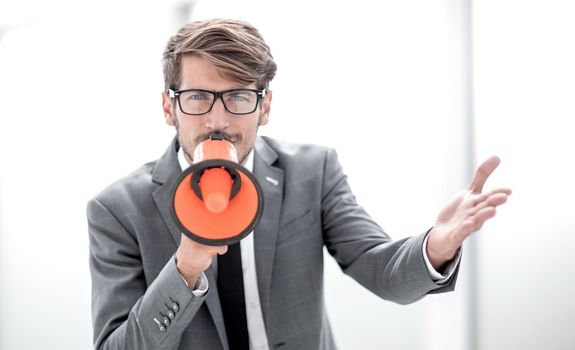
(217, 146)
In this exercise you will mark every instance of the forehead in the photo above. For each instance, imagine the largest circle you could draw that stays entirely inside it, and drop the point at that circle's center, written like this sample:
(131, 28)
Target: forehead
(199, 72)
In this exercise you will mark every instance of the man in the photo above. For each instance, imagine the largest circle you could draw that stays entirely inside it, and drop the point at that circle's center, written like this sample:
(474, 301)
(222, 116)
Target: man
(155, 288)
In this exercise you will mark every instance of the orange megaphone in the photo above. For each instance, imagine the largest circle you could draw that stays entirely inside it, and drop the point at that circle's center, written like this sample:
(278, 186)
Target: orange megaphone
(216, 201)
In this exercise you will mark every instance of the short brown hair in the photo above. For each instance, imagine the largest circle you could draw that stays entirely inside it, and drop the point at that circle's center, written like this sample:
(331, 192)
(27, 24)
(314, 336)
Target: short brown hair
(234, 47)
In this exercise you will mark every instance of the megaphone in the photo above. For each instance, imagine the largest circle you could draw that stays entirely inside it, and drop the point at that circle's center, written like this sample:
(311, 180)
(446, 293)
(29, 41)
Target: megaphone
(216, 201)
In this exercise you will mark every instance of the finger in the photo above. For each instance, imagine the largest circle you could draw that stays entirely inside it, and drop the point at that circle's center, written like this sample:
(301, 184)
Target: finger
(483, 215)
(482, 173)
(473, 223)
(493, 200)
(496, 199)
(477, 199)
(218, 250)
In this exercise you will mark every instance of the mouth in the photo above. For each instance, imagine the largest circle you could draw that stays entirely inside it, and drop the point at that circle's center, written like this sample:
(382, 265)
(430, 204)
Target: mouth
(218, 135)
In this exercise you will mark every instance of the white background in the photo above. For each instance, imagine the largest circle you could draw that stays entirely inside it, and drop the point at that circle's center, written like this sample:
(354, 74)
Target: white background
(410, 93)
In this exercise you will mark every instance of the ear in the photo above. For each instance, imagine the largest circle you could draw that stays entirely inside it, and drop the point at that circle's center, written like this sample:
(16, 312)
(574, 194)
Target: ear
(266, 107)
(168, 109)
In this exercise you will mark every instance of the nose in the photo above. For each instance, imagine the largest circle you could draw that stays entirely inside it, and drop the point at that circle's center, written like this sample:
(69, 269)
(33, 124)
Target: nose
(217, 118)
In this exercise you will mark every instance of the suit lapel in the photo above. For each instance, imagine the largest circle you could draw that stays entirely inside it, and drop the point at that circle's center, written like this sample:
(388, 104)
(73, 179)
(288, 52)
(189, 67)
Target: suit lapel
(166, 174)
(271, 179)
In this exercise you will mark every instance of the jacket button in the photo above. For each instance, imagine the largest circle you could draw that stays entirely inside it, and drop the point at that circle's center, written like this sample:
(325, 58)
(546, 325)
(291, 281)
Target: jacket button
(160, 325)
(175, 307)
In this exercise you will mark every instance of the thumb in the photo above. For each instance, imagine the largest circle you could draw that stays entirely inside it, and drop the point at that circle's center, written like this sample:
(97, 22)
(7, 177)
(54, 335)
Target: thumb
(219, 250)
(482, 173)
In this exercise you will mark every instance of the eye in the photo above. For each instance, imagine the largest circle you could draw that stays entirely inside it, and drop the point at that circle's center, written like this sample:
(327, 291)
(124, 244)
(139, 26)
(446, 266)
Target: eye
(240, 96)
(197, 96)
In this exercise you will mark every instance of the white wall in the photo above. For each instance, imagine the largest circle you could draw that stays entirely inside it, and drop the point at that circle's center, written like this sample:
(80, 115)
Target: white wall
(80, 106)
(525, 88)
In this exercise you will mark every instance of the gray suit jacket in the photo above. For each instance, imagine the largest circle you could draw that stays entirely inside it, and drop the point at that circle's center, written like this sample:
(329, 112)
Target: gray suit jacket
(133, 240)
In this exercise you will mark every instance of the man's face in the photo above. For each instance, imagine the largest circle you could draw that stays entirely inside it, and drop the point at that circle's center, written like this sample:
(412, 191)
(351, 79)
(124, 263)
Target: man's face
(199, 73)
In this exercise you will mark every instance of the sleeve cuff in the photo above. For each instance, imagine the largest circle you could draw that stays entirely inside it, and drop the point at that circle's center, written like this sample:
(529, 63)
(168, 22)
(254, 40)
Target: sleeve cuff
(450, 268)
(201, 287)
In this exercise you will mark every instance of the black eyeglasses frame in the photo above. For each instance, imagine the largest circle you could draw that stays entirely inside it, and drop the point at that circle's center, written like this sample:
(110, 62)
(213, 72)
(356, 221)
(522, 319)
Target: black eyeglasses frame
(175, 94)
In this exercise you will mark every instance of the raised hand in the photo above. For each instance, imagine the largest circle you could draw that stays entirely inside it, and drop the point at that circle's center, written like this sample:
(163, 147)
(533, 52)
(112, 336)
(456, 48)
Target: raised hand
(464, 215)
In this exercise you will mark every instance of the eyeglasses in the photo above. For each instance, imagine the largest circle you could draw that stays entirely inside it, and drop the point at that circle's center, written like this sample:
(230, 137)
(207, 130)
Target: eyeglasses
(236, 101)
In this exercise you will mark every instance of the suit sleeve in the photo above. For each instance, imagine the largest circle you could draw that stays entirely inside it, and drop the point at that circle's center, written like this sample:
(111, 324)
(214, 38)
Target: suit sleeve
(126, 313)
(393, 270)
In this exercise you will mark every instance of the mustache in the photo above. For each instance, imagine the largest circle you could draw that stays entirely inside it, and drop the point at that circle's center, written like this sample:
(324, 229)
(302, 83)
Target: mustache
(206, 136)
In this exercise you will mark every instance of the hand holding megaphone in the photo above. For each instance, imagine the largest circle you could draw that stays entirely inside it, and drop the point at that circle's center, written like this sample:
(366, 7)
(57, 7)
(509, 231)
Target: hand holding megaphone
(193, 258)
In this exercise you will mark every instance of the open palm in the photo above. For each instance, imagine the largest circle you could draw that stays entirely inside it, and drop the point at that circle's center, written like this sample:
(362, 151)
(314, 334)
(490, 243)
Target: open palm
(465, 214)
